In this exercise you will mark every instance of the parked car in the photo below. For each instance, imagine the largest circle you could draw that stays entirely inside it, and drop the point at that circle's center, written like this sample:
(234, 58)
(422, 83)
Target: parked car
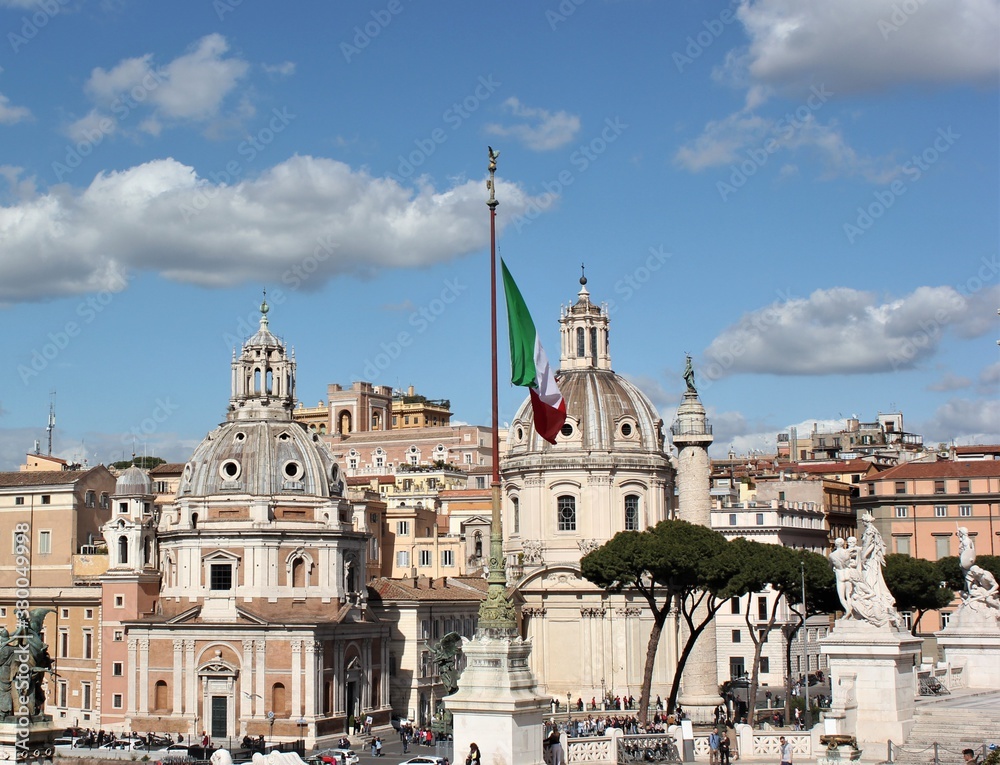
(337, 757)
(424, 759)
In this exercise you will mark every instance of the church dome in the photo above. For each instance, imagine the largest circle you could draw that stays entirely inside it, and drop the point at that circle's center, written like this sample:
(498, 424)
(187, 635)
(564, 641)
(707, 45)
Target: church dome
(261, 450)
(133, 480)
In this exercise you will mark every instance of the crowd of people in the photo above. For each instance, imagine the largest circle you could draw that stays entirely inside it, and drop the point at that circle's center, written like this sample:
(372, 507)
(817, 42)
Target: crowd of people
(97, 739)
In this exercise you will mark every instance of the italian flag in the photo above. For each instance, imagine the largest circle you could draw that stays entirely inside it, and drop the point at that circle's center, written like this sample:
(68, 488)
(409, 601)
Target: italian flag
(529, 366)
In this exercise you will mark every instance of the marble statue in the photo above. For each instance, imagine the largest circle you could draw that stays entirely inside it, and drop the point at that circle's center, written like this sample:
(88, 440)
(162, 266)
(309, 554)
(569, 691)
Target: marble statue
(860, 582)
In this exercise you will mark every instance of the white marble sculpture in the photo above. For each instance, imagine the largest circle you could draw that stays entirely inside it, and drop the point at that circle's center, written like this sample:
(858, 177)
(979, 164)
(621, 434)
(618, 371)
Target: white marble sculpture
(860, 583)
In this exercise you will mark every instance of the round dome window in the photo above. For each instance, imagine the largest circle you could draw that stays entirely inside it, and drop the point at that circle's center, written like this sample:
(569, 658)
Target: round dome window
(292, 470)
(567, 430)
(230, 470)
(626, 429)
(240, 436)
(520, 434)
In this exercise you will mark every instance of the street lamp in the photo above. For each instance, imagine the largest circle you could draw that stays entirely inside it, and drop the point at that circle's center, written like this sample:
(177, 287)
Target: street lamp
(302, 739)
(604, 694)
(805, 650)
(270, 720)
(569, 719)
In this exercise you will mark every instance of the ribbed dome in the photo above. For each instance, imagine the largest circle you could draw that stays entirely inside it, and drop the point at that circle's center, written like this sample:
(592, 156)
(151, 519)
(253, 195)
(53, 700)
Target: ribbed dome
(133, 481)
(605, 411)
(262, 458)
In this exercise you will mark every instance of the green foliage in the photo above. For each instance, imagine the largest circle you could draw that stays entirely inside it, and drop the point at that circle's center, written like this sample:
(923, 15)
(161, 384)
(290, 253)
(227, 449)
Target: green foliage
(146, 463)
(915, 583)
(950, 571)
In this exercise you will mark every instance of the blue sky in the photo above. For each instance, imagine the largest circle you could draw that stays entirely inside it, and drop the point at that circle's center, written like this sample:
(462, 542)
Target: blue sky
(802, 194)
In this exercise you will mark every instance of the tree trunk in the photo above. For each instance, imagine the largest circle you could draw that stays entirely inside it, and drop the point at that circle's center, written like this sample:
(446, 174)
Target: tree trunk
(693, 634)
(788, 670)
(659, 619)
(920, 615)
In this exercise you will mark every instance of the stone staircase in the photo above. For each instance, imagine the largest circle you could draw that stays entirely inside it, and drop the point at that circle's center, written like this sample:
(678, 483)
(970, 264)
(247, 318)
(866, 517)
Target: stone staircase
(954, 723)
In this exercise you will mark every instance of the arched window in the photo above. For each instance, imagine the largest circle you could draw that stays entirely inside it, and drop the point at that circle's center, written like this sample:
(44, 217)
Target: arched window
(566, 513)
(194, 520)
(631, 512)
(123, 550)
(515, 522)
(593, 344)
(581, 341)
(478, 537)
(278, 700)
(161, 697)
(256, 381)
(345, 422)
(146, 548)
(298, 573)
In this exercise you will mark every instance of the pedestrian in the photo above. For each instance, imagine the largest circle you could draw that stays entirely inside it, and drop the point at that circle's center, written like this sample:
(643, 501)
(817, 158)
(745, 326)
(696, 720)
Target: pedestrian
(372, 744)
(785, 749)
(724, 749)
(714, 742)
(405, 739)
(969, 756)
(378, 746)
(555, 747)
(474, 758)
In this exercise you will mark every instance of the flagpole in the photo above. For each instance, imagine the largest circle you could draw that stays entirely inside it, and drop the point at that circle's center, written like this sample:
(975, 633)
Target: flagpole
(496, 613)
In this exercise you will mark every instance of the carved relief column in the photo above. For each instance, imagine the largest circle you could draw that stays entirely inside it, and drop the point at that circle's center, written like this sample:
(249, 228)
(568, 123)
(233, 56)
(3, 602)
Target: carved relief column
(143, 676)
(247, 707)
(133, 664)
(296, 679)
(311, 647)
(178, 677)
(190, 680)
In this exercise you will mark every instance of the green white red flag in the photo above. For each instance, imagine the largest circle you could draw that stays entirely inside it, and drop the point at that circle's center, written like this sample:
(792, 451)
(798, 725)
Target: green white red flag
(529, 366)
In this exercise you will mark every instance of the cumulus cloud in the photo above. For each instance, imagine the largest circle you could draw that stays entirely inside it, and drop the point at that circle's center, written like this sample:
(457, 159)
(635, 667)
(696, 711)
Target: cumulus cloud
(964, 420)
(191, 88)
(865, 45)
(846, 331)
(539, 129)
(9, 114)
(284, 69)
(300, 223)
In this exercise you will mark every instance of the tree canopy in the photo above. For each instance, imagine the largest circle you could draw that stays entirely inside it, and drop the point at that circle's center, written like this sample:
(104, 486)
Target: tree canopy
(144, 462)
(915, 583)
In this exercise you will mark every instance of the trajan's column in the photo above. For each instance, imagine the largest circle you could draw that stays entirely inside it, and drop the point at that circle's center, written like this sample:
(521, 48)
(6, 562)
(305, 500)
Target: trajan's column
(692, 435)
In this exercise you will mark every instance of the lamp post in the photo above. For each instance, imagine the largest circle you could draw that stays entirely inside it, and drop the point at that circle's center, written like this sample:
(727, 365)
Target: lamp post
(604, 694)
(569, 718)
(301, 722)
(805, 650)
(270, 720)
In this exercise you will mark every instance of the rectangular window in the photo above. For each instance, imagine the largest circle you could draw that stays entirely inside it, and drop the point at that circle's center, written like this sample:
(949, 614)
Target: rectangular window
(403, 558)
(942, 547)
(64, 613)
(732, 519)
(3, 611)
(902, 511)
(402, 528)
(18, 500)
(63, 643)
(903, 545)
(945, 618)
(940, 511)
(566, 509)
(632, 512)
(119, 601)
(85, 687)
(965, 511)
(63, 693)
(46, 499)
(762, 609)
(901, 487)
(116, 701)
(425, 629)
(939, 487)
(448, 558)
(737, 636)
(760, 519)
(117, 668)
(480, 482)
(88, 613)
(119, 636)
(515, 504)
(220, 577)
(907, 619)
(734, 606)
(123, 507)
(424, 558)
(105, 500)
(765, 664)
(88, 644)
(963, 486)
(44, 542)
(91, 500)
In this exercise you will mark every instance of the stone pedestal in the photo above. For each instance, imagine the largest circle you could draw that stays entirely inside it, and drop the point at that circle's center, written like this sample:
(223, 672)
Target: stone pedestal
(873, 681)
(32, 743)
(972, 641)
(496, 705)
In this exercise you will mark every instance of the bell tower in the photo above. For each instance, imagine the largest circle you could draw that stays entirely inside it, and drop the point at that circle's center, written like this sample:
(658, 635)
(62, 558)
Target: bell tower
(263, 384)
(583, 330)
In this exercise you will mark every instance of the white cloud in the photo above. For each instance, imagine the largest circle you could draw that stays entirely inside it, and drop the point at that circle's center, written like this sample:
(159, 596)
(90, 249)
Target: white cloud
(193, 88)
(865, 45)
(161, 217)
(949, 382)
(284, 69)
(965, 421)
(10, 115)
(846, 331)
(540, 130)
